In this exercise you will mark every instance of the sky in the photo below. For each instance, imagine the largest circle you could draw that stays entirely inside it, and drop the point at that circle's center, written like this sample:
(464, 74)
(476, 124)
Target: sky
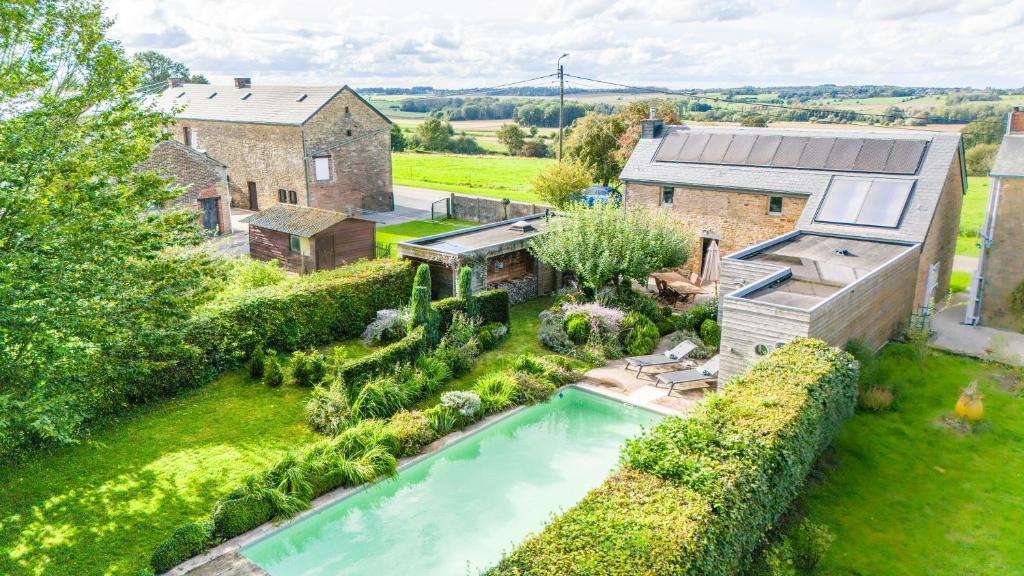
(672, 43)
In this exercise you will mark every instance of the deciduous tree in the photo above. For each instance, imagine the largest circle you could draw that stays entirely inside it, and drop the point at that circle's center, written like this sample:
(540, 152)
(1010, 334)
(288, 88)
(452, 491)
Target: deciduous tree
(157, 68)
(512, 137)
(560, 184)
(593, 143)
(434, 134)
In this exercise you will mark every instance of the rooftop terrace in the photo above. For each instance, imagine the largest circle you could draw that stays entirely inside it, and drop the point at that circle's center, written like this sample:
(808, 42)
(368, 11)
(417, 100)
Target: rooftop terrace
(820, 266)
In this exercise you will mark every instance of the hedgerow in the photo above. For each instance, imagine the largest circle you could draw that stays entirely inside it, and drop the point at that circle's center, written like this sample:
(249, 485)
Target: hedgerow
(696, 495)
(404, 351)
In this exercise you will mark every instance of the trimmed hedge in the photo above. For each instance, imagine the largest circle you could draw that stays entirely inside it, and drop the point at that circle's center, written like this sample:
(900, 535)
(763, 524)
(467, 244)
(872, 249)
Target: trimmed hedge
(492, 305)
(696, 495)
(405, 351)
(305, 312)
(187, 540)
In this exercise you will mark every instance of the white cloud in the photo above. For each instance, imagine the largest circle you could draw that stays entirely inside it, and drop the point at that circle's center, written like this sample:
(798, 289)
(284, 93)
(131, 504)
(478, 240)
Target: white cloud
(671, 43)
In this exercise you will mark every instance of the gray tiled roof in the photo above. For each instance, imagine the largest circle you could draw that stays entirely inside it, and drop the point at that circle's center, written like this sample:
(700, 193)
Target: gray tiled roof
(939, 156)
(265, 104)
(298, 220)
(1010, 159)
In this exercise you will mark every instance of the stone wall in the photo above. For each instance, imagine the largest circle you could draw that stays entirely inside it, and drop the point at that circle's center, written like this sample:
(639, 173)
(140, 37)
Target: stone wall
(200, 175)
(269, 155)
(736, 219)
(1004, 260)
(487, 210)
(940, 244)
(358, 141)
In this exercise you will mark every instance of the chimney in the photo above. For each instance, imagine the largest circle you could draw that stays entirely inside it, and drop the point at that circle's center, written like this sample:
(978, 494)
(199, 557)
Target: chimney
(1016, 123)
(175, 82)
(243, 82)
(651, 128)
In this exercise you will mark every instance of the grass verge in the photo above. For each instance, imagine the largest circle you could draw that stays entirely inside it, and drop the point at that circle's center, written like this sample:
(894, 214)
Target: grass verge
(972, 215)
(906, 494)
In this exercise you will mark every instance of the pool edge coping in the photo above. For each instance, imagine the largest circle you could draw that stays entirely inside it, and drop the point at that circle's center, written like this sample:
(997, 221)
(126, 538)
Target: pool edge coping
(320, 503)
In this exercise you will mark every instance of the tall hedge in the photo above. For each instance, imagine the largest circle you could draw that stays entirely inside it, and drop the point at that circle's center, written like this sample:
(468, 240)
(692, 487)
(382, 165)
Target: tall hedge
(405, 351)
(492, 306)
(696, 495)
(309, 311)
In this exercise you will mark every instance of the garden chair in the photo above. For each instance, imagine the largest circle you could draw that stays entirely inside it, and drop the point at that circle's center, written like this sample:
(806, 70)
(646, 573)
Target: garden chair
(699, 375)
(674, 356)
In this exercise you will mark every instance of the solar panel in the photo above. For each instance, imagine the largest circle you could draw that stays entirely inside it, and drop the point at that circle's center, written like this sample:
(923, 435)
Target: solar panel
(716, 148)
(844, 154)
(905, 156)
(873, 155)
(789, 152)
(816, 153)
(671, 145)
(764, 150)
(693, 147)
(865, 202)
(739, 149)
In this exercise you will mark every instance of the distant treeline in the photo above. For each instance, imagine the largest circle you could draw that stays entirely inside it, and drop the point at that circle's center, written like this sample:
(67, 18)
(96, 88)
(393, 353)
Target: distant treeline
(540, 113)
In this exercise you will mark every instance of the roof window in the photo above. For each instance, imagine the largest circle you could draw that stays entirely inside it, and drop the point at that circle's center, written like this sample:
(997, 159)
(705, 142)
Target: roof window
(301, 98)
(210, 97)
(247, 94)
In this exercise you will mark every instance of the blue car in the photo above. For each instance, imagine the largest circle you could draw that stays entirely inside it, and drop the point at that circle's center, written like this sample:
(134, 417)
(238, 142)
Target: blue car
(598, 194)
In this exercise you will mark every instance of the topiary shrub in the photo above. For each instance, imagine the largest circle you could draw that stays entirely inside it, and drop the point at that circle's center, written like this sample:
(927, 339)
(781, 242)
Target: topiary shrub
(273, 376)
(421, 280)
(187, 541)
(239, 514)
(412, 431)
(639, 334)
(257, 364)
(577, 327)
(422, 314)
(308, 368)
(710, 333)
(466, 291)
(405, 351)
(810, 542)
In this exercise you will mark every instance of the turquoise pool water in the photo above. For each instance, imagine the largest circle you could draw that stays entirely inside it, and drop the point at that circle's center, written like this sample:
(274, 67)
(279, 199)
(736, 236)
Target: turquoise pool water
(456, 511)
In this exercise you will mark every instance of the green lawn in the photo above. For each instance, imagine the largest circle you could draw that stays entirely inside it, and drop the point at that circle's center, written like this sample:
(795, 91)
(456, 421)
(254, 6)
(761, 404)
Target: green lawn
(959, 282)
(972, 215)
(396, 233)
(493, 176)
(905, 494)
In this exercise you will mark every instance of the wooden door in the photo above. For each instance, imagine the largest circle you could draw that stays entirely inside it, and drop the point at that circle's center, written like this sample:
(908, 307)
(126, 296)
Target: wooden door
(253, 201)
(324, 252)
(210, 220)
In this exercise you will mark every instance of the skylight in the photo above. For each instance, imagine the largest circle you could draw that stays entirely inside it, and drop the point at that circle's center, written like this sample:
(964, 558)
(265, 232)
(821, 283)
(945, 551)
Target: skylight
(247, 94)
(865, 202)
(301, 98)
(211, 95)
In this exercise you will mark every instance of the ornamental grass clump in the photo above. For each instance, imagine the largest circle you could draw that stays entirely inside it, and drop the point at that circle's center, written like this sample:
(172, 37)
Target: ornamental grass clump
(697, 495)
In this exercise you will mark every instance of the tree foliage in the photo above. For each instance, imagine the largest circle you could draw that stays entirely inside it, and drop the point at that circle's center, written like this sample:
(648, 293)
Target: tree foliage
(606, 243)
(86, 281)
(754, 121)
(434, 134)
(636, 112)
(980, 158)
(512, 137)
(398, 143)
(560, 184)
(157, 69)
(593, 143)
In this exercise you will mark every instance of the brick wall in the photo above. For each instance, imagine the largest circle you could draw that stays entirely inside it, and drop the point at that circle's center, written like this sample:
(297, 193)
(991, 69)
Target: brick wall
(736, 219)
(1017, 121)
(358, 141)
(202, 177)
(1004, 260)
(940, 244)
(269, 155)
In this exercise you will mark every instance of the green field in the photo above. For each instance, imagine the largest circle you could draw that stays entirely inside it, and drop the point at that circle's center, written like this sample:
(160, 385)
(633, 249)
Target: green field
(907, 494)
(972, 215)
(396, 233)
(102, 506)
(492, 176)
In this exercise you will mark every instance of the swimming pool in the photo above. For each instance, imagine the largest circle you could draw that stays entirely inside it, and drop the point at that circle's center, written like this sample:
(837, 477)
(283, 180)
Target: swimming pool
(457, 510)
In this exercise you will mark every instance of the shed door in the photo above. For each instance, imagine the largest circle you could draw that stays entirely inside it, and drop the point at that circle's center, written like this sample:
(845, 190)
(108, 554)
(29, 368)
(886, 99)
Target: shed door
(253, 200)
(209, 207)
(324, 252)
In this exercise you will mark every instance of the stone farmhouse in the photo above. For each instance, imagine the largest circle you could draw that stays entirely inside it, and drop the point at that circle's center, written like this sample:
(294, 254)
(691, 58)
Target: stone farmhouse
(1001, 263)
(204, 179)
(833, 234)
(317, 146)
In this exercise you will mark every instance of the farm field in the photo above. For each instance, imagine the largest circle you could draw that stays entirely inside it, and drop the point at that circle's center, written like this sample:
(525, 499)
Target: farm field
(492, 176)
(906, 494)
(102, 506)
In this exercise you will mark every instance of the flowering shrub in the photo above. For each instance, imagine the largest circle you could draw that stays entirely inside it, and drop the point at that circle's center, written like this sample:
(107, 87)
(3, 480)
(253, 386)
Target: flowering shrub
(390, 325)
(465, 403)
(608, 318)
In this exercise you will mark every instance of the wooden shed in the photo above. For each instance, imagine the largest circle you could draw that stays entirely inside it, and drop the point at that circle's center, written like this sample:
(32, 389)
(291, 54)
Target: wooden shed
(306, 239)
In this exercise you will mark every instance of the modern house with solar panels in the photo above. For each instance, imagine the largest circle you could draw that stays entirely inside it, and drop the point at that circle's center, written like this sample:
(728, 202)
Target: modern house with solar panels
(833, 234)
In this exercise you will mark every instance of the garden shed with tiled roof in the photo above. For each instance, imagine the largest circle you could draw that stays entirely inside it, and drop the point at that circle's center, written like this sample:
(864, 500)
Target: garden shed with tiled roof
(305, 239)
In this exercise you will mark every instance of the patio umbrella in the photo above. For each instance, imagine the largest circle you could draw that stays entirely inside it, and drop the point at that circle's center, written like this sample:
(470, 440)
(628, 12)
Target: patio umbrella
(712, 266)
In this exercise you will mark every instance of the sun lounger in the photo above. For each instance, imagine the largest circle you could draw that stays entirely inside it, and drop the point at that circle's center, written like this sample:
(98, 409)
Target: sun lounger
(700, 374)
(673, 356)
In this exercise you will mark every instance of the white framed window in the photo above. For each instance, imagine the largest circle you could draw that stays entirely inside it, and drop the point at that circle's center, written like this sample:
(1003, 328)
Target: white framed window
(775, 206)
(668, 195)
(322, 168)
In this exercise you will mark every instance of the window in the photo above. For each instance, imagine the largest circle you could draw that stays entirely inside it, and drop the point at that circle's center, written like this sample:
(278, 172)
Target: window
(293, 244)
(348, 132)
(322, 168)
(292, 197)
(668, 194)
(761, 349)
(867, 202)
(282, 195)
(346, 110)
(775, 205)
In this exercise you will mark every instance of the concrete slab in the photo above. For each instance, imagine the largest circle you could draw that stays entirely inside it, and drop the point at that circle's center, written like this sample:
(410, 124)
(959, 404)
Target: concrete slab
(953, 335)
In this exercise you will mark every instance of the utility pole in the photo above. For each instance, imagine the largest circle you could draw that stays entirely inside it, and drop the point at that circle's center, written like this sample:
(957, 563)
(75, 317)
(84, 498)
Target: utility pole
(561, 105)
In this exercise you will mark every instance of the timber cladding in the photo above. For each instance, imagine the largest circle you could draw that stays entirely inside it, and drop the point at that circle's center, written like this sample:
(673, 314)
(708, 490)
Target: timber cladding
(266, 244)
(736, 219)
